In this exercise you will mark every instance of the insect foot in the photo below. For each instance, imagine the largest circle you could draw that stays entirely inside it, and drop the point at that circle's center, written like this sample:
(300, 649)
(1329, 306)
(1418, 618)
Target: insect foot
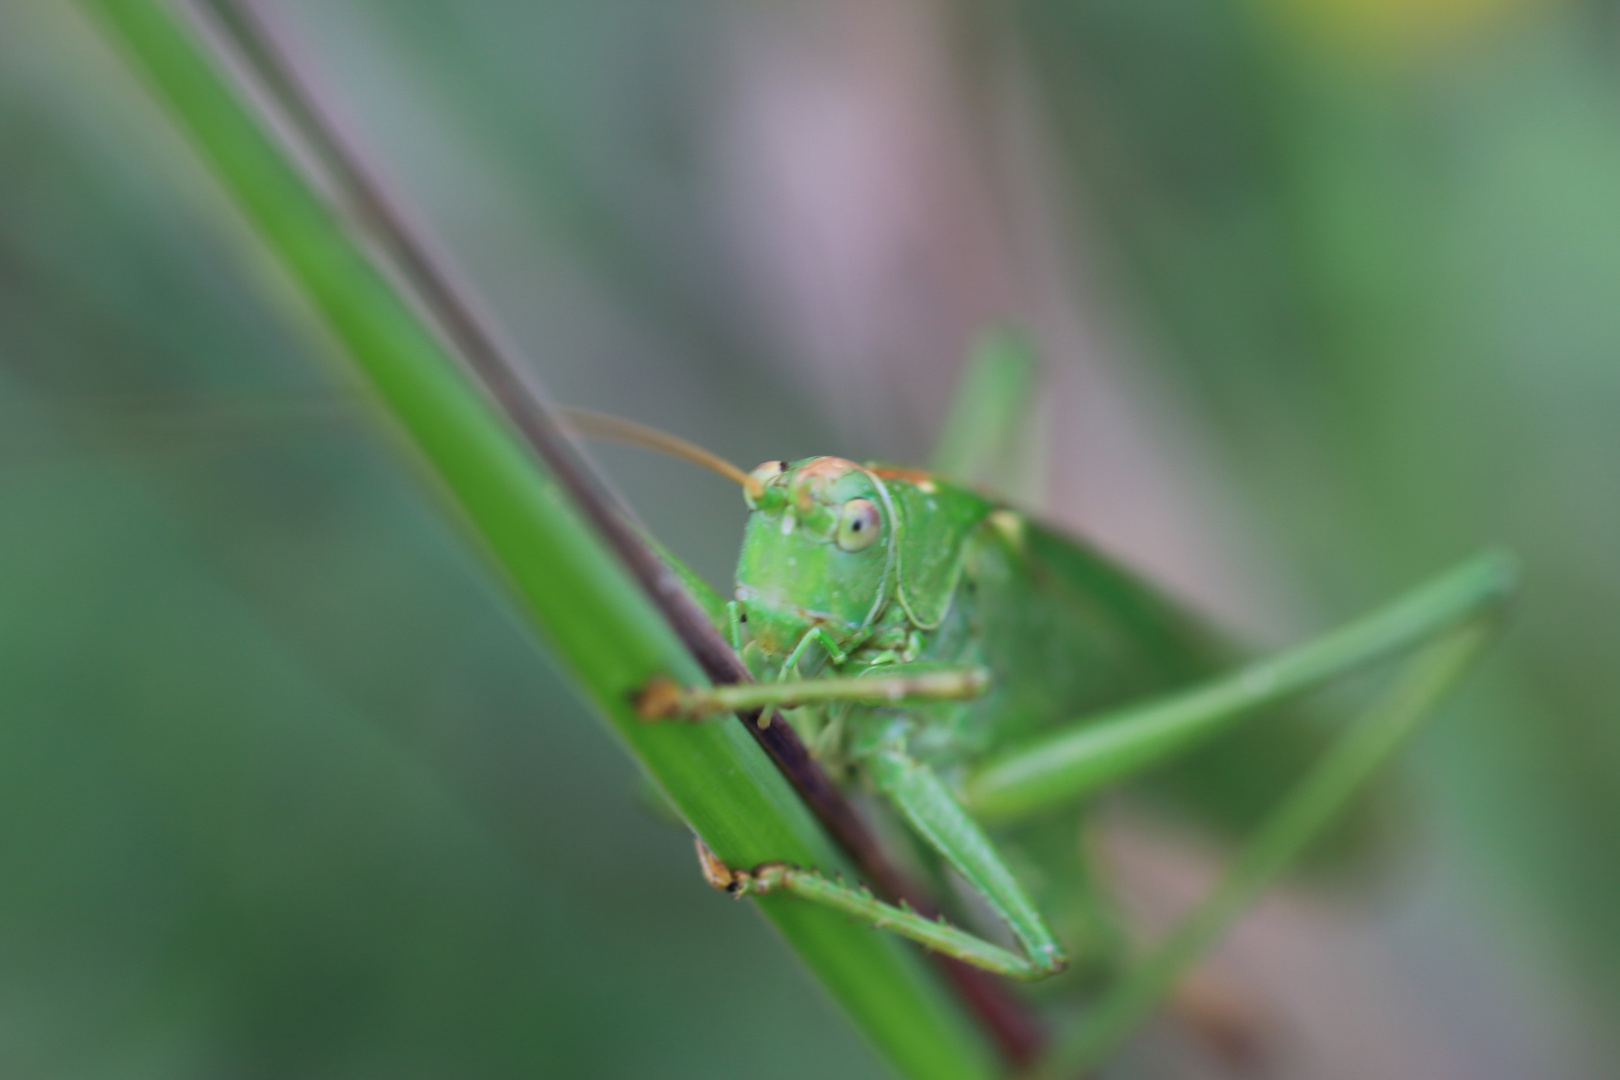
(1048, 960)
(660, 699)
(715, 872)
(739, 883)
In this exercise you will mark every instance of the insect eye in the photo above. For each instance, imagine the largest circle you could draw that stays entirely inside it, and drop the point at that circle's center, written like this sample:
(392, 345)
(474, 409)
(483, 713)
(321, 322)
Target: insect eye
(859, 525)
(758, 480)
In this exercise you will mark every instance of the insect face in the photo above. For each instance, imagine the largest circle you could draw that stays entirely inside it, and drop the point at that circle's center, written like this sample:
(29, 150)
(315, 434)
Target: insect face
(818, 551)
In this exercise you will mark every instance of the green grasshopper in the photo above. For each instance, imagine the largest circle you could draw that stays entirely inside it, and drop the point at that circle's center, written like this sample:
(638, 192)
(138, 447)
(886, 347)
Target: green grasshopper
(985, 674)
(982, 672)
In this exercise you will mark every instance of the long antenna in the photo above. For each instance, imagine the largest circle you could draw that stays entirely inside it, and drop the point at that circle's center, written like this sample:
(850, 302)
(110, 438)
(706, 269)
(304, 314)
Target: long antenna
(590, 424)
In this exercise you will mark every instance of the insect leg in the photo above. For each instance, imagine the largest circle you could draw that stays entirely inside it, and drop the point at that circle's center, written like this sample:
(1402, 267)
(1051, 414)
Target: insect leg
(1077, 760)
(929, 807)
(861, 904)
(816, 636)
(898, 684)
(1304, 812)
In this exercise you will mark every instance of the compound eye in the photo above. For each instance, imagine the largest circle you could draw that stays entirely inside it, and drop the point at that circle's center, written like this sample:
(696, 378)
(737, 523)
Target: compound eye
(758, 480)
(859, 525)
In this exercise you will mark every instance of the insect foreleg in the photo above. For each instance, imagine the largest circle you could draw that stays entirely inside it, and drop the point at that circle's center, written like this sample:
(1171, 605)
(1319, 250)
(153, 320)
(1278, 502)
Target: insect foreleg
(897, 684)
(1097, 751)
(817, 635)
(930, 809)
(1375, 736)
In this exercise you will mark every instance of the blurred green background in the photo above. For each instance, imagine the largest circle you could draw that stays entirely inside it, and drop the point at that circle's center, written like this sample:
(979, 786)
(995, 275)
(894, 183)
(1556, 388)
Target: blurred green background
(1329, 292)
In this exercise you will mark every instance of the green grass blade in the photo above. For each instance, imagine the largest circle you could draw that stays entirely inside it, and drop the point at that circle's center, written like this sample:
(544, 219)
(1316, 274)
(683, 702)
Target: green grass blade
(584, 602)
(983, 441)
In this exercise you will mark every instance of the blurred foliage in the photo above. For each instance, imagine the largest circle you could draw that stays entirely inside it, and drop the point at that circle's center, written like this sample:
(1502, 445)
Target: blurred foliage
(286, 787)
(1390, 275)
(1392, 282)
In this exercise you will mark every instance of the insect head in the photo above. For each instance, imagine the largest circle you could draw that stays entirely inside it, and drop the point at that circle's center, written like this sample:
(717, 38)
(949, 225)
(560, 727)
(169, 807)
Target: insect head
(819, 550)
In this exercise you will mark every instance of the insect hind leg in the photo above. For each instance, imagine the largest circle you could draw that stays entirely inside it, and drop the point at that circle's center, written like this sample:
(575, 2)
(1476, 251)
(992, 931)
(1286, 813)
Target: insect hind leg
(1092, 753)
(1442, 626)
(1367, 744)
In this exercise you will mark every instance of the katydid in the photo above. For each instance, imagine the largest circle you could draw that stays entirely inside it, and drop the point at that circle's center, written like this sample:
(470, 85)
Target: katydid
(985, 674)
(978, 669)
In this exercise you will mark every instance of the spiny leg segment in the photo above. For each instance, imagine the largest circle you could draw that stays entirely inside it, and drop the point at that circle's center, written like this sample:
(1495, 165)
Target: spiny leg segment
(930, 809)
(891, 684)
(861, 904)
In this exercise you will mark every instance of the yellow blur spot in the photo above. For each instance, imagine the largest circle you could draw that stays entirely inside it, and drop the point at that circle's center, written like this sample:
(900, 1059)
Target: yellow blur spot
(1391, 29)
